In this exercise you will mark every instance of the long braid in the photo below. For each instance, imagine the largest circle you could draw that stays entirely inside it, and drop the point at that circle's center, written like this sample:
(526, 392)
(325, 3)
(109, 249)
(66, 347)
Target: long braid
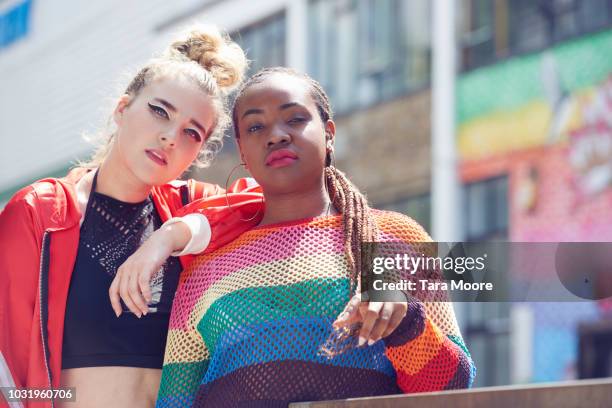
(357, 220)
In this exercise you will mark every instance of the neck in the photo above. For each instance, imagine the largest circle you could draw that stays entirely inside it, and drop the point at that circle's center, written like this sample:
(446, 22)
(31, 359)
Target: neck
(117, 181)
(292, 206)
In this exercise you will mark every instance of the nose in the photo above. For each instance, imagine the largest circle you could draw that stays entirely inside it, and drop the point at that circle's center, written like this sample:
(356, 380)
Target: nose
(278, 135)
(168, 138)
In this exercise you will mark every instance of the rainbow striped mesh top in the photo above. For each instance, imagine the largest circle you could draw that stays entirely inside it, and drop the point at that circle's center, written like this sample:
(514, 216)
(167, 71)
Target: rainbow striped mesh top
(250, 321)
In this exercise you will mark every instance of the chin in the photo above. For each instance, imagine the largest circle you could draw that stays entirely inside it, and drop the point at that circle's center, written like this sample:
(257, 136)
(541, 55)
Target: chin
(282, 185)
(151, 178)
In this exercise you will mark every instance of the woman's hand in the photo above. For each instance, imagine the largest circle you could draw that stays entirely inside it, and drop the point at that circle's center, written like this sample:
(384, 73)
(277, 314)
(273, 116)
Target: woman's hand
(379, 318)
(132, 283)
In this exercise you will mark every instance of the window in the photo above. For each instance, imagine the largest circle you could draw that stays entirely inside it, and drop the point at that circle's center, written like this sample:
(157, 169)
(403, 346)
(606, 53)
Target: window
(594, 14)
(493, 29)
(487, 334)
(264, 42)
(478, 35)
(365, 52)
(487, 209)
(487, 325)
(528, 27)
(486, 206)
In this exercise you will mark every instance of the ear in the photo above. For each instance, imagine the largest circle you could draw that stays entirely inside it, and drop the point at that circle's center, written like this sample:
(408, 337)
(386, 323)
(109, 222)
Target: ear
(330, 133)
(122, 104)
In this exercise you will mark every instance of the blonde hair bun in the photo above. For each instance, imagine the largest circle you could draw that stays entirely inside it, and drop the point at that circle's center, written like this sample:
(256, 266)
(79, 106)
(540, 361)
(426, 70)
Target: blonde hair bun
(216, 52)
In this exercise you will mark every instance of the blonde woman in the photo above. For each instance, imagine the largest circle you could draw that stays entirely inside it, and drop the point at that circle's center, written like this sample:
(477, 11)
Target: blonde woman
(62, 240)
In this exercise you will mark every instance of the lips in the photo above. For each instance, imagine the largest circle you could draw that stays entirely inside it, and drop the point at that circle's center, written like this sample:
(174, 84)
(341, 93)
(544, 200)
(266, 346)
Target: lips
(158, 156)
(281, 158)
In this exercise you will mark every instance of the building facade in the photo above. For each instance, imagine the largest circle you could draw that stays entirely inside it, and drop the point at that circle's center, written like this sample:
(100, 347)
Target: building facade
(534, 137)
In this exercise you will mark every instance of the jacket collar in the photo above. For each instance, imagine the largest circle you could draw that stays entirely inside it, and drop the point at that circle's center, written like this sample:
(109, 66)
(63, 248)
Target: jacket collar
(58, 207)
(56, 201)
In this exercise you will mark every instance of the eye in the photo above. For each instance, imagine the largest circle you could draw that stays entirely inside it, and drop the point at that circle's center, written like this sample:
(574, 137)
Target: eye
(194, 134)
(254, 128)
(158, 111)
(297, 120)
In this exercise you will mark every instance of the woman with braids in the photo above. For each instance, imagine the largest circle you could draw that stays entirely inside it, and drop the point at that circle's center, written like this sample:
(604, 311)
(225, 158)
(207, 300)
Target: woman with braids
(253, 322)
(62, 240)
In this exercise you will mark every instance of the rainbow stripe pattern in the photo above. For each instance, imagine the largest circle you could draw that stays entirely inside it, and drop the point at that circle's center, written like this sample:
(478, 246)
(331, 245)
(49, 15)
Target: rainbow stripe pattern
(251, 325)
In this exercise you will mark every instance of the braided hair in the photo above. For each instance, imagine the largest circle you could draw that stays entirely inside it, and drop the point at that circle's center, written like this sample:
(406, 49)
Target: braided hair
(346, 198)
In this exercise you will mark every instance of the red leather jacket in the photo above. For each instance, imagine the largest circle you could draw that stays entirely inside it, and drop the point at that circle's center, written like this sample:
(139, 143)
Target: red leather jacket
(39, 236)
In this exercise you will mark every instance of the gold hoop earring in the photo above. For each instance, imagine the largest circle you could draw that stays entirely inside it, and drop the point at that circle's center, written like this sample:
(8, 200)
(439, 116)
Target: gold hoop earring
(227, 198)
(232, 172)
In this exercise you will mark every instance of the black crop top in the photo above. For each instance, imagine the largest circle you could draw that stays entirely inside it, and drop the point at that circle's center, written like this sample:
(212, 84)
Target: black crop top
(93, 336)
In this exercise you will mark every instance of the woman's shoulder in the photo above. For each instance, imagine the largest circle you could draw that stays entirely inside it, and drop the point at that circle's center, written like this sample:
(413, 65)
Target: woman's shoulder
(20, 211)
(47, 197)
(399, 226)
(30, 195)
(53, 187)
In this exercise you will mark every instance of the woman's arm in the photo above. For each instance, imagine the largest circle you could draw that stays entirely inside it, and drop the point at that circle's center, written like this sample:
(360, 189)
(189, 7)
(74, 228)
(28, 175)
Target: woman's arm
(199, 189)
(426, 358)
(132, 282)
(19, 267)
(209, 223)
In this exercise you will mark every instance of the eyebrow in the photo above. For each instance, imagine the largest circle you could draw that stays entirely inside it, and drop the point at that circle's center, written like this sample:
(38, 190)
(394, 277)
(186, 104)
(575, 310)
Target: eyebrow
(284, 106)
(253, 111)
(173, 109)
(289, 105)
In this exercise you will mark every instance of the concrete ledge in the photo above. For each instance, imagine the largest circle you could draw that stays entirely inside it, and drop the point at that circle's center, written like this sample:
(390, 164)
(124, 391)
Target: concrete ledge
(581, 393)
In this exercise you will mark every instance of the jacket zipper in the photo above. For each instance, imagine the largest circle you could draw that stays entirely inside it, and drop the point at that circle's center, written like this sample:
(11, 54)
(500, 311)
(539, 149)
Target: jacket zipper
(43, 284)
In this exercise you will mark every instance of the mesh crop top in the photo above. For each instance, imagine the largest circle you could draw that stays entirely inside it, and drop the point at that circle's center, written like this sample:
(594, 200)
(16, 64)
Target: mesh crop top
(93, 336)
(251, 322)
